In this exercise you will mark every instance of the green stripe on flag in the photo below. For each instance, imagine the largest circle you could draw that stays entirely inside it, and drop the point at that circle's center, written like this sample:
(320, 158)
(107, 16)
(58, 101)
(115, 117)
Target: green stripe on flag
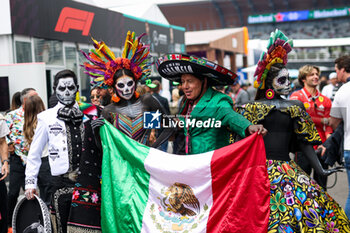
(124, 181)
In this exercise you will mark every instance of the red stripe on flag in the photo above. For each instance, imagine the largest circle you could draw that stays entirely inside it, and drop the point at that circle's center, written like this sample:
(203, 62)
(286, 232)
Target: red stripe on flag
(92, 110)
(241, 188)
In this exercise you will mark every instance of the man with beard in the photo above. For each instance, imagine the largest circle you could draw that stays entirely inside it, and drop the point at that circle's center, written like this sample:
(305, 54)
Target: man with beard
(319, 107)
(74, 159)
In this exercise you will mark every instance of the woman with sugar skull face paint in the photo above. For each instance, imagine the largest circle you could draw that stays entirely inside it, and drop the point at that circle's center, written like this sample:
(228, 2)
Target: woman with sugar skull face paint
(125, 86)
(290, 128)
(281, 84)
(130, 107)
(122, 74)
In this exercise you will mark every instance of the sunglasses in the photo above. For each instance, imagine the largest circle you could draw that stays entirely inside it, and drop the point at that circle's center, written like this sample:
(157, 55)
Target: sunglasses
(314, 100)
(94, 96)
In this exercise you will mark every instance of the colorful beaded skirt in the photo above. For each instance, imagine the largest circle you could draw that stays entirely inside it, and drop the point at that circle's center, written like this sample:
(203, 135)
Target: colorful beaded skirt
(299, 204)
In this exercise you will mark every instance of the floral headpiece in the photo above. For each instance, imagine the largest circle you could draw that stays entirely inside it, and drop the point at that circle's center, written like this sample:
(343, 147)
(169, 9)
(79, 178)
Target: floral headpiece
(277, 52)
(135, 57)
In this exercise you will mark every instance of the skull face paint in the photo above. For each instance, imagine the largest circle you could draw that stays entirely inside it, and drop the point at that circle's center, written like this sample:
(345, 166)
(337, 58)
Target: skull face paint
(281, 83)
(66, 90)
(125, 87)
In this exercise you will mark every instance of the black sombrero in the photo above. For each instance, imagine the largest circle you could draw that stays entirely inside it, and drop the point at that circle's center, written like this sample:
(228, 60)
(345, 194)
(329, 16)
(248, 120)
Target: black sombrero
(31, 216)
(172, 66)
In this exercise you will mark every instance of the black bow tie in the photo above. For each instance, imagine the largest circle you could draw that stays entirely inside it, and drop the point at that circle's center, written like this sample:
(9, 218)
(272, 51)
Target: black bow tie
(71, 114)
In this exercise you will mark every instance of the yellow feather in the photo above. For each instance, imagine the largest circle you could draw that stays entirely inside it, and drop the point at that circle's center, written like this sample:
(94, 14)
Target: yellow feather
(126, 50)
(126, 44)
(99, 79)
(99, 45)
(133, 37)
(110, 53)
(134, 47)
(77, 96)
(95, 41)
(107, 50)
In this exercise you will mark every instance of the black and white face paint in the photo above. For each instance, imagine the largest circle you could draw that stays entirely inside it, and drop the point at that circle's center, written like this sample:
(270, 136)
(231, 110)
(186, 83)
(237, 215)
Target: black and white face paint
(66, 90)
(281, 83)
(125, 86)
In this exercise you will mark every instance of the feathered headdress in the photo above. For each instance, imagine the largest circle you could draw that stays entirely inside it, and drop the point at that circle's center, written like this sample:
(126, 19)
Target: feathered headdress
(277, 52)
(104, 64)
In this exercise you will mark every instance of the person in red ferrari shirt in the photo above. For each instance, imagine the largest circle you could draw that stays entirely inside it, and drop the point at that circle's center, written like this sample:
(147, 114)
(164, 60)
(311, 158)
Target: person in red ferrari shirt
(318, 106)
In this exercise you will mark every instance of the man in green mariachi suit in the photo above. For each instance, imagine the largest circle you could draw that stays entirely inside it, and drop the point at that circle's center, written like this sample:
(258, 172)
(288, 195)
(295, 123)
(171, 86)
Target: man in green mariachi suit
(207, 115)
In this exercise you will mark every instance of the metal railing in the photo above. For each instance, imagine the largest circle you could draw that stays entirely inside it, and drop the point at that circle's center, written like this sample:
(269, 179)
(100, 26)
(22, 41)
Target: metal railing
(315, 56)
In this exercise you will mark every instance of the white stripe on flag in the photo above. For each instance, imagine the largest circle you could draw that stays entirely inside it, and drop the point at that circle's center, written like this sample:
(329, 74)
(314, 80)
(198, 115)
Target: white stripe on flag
(165, 170)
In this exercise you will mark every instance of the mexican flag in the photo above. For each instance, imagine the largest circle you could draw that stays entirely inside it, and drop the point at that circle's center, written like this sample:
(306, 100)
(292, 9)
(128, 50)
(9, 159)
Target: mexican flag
(147, 190)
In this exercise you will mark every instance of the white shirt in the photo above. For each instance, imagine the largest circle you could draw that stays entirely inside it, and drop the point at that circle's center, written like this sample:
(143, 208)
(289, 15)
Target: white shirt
(328, 90)
(341, 109)
(4, 130)
(50, 132)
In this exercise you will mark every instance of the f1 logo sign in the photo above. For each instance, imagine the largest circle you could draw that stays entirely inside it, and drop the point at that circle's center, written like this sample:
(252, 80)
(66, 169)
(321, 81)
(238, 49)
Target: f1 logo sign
(71, 18)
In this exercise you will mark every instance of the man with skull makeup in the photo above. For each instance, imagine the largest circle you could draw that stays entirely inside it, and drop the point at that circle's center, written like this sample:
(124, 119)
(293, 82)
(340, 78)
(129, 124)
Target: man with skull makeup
(74, 159)
(290, 128)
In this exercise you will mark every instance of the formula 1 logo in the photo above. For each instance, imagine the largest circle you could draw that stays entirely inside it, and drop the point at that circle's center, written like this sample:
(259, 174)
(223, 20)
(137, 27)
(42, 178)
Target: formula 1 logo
(71, 18)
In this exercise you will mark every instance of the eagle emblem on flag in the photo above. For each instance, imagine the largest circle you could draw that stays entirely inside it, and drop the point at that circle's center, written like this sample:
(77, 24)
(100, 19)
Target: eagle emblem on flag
(178, 198)
(178, 209)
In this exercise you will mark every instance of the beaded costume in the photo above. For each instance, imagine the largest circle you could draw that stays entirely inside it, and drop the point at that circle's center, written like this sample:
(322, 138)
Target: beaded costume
(125, 114)
(298, 203)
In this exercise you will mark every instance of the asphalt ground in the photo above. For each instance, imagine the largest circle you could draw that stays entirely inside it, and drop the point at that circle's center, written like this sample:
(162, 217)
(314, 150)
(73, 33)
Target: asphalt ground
(340, 191)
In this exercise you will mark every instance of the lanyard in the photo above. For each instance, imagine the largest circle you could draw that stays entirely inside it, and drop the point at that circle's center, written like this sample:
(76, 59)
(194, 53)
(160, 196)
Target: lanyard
(189, 110)
(313, 98)
(236, 95)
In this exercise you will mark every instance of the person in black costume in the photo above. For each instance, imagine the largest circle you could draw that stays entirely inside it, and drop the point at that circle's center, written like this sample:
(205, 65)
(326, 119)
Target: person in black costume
(155, 93)
(129, 112)
(126, 111)
(164, 103)
(298, 203)
(279, 142)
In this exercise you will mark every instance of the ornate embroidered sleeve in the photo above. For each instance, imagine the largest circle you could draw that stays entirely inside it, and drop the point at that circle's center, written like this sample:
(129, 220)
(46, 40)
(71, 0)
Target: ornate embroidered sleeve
(34, 157)
(304, 127)
(254, 112)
